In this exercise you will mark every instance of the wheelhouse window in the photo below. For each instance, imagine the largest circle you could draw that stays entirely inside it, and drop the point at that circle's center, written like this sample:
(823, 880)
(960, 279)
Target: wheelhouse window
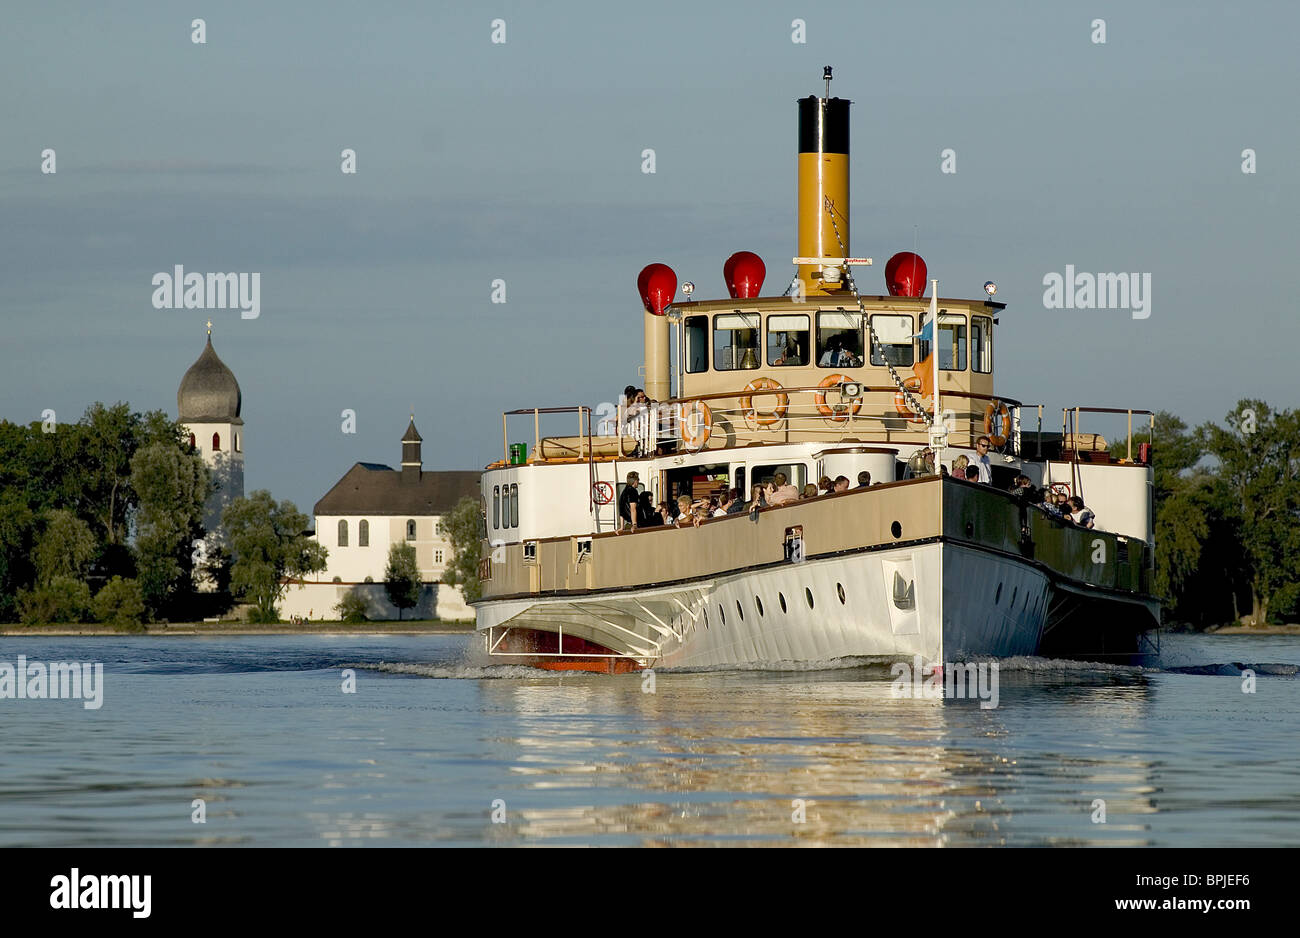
(895, 335)
(839, 339)
(735, 341)
(787, 340)
(363, 533)
(343, 534)
(952, 342)
(410, 529)
(514, 506)
(981, 344)
(696, 331)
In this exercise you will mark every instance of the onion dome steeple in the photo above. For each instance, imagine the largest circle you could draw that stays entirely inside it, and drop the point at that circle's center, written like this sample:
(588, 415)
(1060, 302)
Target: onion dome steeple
(209, 392)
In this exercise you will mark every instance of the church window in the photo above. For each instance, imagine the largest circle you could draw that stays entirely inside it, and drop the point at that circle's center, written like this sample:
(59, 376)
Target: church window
(192, 443)
(363, 533)
(410, 530)
(437, 556)
(343, 534)
(216, 442)
(236, 442)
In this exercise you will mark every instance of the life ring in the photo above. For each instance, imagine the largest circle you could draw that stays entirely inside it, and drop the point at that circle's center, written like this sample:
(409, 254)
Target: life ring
(694, 423)
(840, 412)
(913, 385)
(997, 410)
(1060, 488)
(764, 418)
(602, 493)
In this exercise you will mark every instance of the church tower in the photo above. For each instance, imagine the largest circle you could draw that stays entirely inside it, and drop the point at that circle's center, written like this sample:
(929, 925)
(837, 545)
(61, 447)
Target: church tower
(208, 403)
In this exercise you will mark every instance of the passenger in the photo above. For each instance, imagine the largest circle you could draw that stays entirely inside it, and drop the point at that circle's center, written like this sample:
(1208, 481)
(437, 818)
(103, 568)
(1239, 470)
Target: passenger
(790, 355)
(841, 483)
(959, 466)
(943, 470)
(780, 491)
(757, 497)
(836, 355)
(972, 474)
(685, 514)
(735, 504)
(927, 455)
(864, 479)
(647, 516)
(665, 512)
(628, 500)
(825, 485)
(982, 460)
(1080, 514)
(809, 491)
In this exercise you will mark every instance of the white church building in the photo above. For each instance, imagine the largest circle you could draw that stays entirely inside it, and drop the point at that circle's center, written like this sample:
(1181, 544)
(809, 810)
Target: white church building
(372, 507)
(367, 511)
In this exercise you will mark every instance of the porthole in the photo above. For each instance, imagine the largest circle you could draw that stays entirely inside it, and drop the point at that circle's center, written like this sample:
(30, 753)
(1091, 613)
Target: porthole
(740, 610)
(896, 529)
(781, 598)
(997, 595)
(807, 593)
(839, 588)
(758, 604)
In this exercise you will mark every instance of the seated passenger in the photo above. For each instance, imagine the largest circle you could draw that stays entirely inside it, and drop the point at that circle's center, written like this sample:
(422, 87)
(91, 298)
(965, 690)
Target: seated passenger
(790, 355)
(735, 504)
(1081, 514)
(826, 485)
(841, 483)
(809, 491)
(837, 356)
(757, 497)
(685, 513)
(959, 466)
(972, 473)
(647, 517)
(780, 491)
(864, 479)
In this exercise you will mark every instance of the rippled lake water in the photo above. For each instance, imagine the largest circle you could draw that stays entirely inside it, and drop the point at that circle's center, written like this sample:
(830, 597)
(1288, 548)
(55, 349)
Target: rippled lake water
(260, 729)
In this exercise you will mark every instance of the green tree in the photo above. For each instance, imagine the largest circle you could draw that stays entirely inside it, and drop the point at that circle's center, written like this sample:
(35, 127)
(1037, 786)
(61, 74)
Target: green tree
(61, 599)
(17, 531)
(120, 603)
(170, 486)
(1258, 455)
(352, 607)
(64, 548)
(402, 577)
(464, 527)
(268, 544)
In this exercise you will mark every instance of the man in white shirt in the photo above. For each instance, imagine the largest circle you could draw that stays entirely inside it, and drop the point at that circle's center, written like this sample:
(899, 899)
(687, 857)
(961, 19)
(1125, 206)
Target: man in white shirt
(836, 355)
(981, 460)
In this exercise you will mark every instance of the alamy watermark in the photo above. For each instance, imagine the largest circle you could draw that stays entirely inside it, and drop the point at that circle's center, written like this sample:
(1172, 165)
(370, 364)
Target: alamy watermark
(179, 290)
(971, 680)
(1098, 291)
(59, 680)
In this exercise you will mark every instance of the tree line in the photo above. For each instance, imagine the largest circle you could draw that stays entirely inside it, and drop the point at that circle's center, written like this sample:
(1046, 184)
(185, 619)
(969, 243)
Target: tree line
(101, 519)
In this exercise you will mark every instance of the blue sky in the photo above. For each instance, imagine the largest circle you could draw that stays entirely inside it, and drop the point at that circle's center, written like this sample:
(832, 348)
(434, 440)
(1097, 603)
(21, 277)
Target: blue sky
(522, 161)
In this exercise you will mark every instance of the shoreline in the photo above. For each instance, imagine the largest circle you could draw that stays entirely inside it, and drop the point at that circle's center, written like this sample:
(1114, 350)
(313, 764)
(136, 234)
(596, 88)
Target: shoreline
(11, 630)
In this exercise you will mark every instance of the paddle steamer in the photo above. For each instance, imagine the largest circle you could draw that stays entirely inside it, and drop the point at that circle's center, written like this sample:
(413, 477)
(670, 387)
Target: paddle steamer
(821, 380)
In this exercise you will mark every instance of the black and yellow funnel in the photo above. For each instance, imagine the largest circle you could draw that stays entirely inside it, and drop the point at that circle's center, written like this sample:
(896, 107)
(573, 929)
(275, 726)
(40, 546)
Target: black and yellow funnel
(823, 190)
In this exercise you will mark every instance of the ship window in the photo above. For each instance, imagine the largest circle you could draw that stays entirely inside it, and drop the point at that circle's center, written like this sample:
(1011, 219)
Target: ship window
(363, 533)
(343, 534)
(952, 343)
(740, 610)
(514, 506)
(697, 344)
(496, 506)
(787, 340)
(795, 473)
(981, 344)
(758, 604)
(895, 335)
(839, 339)
(735, 341)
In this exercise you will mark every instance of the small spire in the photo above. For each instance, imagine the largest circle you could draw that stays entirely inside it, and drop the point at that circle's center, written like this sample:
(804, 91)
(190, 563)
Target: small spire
(209, 327)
